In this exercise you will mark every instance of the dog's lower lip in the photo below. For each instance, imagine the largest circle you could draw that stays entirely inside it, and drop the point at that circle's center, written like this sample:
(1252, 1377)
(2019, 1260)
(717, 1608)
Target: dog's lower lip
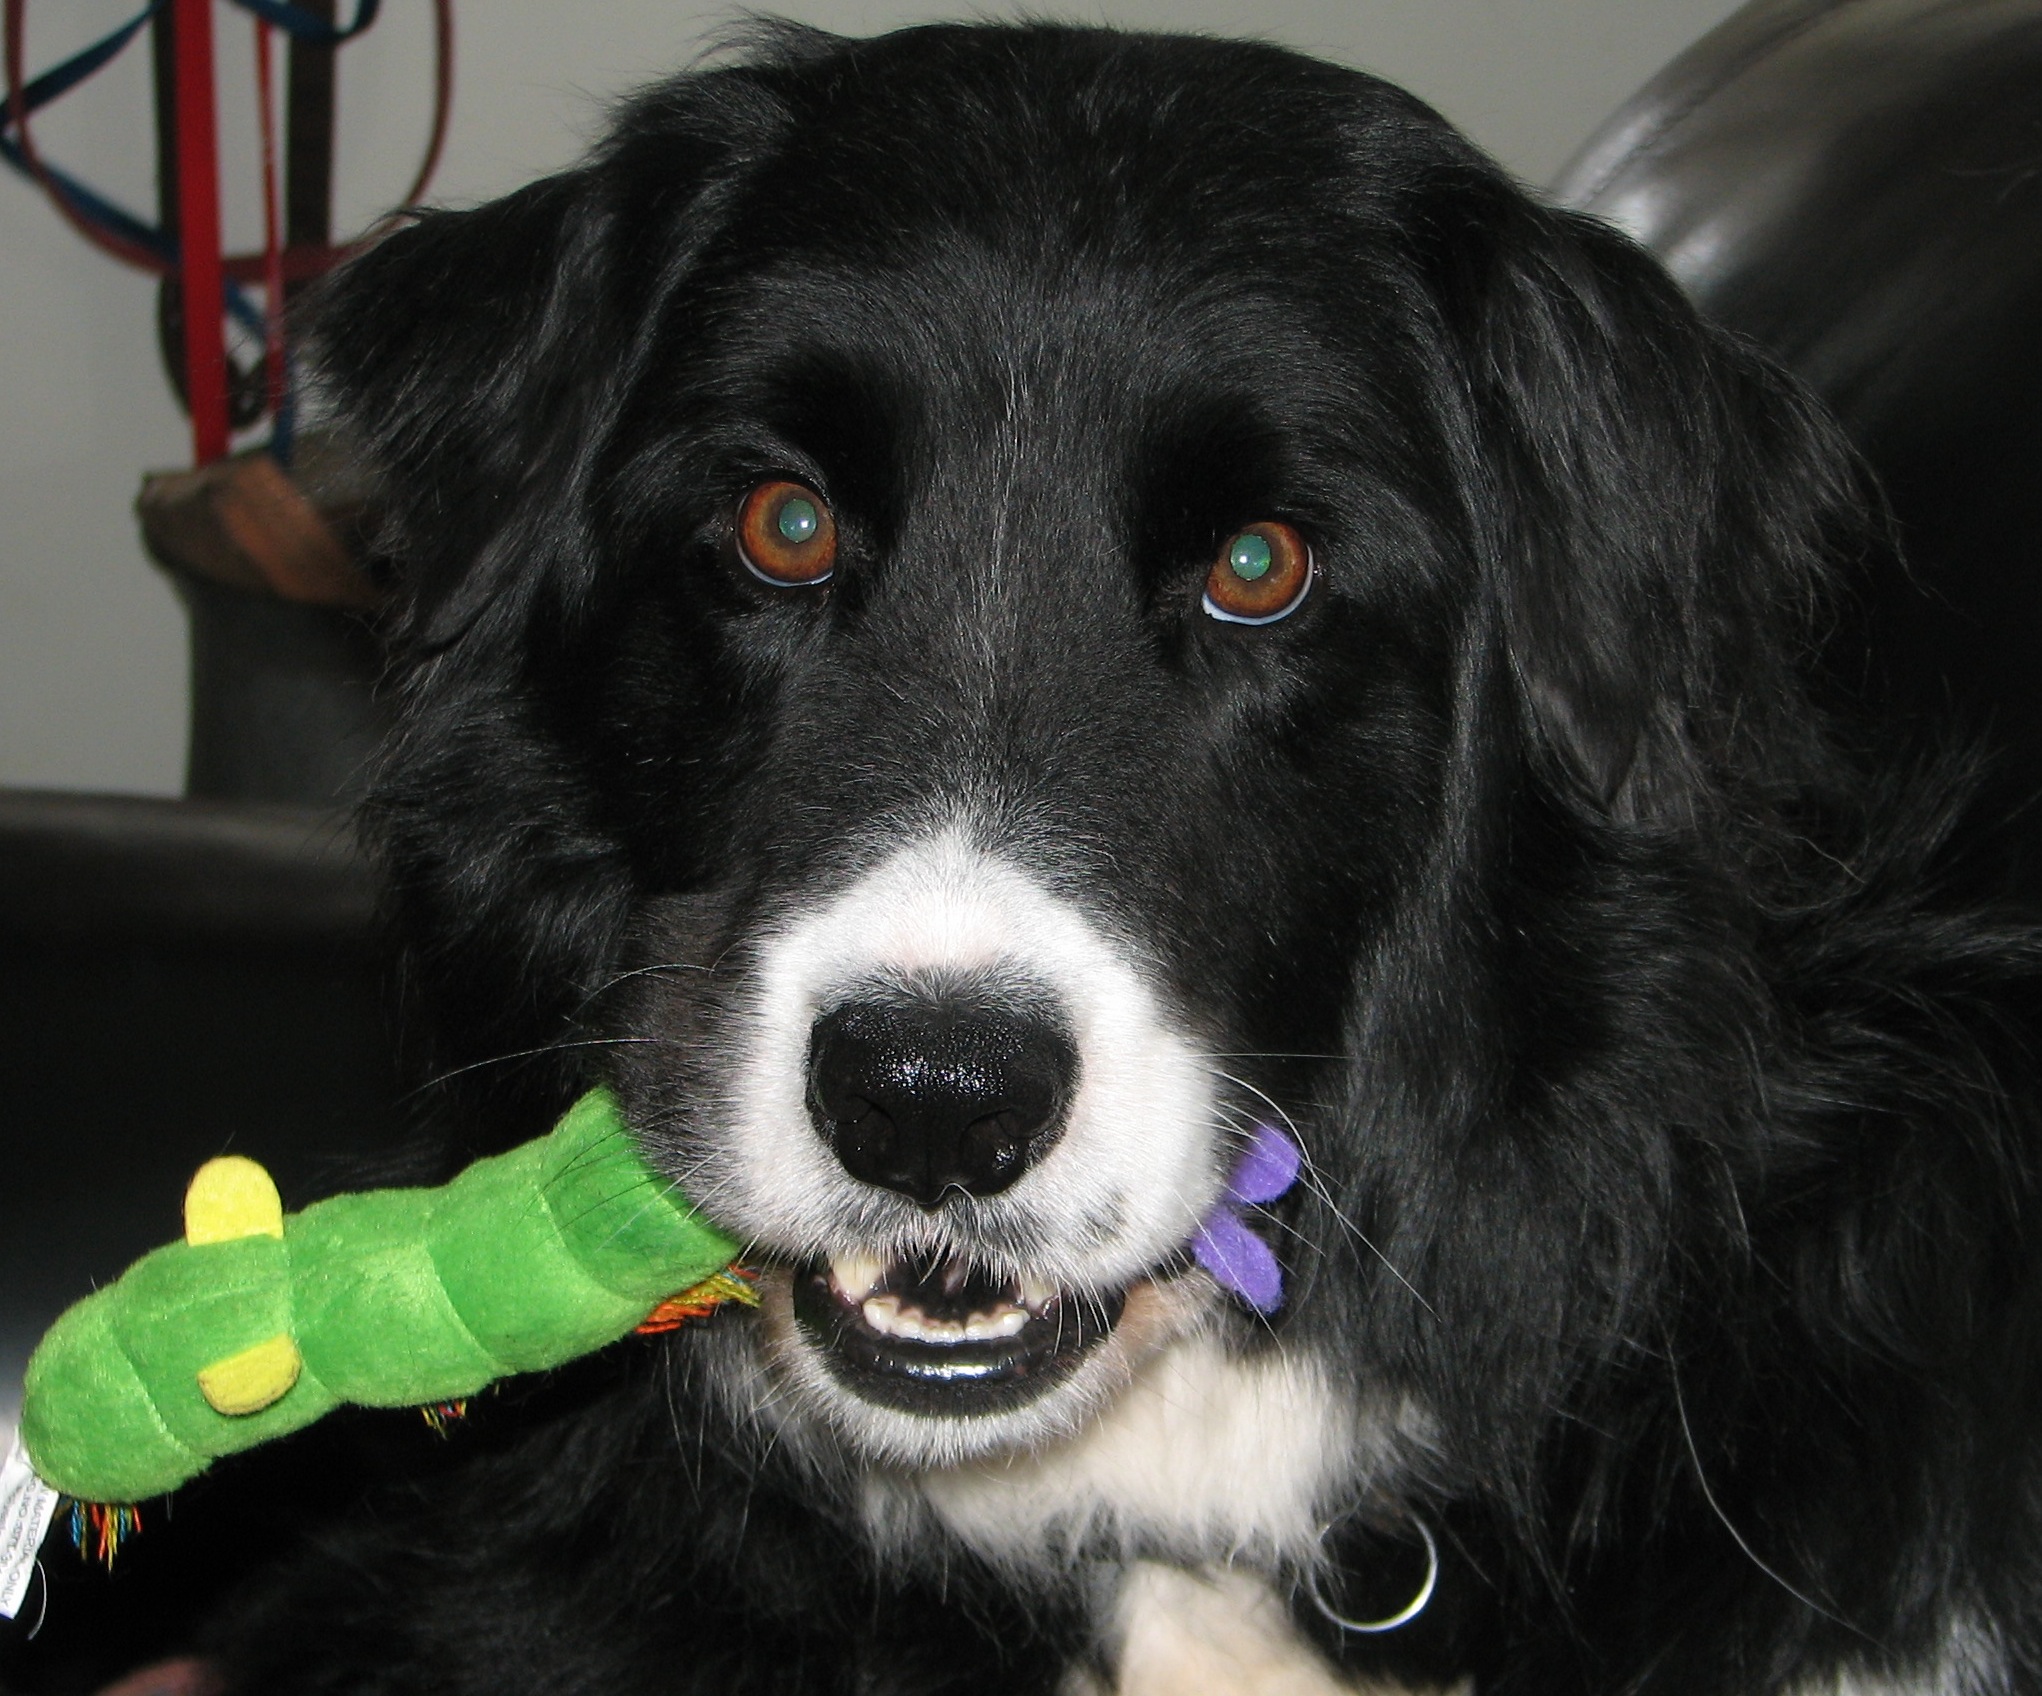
(979, 1347)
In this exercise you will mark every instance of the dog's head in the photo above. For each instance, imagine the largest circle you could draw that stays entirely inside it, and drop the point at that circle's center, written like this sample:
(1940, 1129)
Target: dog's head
(994, 608)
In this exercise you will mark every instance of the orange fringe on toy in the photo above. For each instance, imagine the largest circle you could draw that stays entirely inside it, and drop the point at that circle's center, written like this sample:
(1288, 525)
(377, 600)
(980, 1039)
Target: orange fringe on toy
(99, 1528)
(698, 1301)
(439, 1415)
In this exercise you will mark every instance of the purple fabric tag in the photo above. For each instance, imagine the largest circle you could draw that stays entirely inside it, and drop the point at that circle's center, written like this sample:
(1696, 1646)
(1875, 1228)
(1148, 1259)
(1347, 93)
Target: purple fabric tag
(1267, 1168)
(1240, 1261)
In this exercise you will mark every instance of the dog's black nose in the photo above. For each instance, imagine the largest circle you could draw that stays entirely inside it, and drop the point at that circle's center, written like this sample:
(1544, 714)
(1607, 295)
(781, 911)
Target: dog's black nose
(928, 1098)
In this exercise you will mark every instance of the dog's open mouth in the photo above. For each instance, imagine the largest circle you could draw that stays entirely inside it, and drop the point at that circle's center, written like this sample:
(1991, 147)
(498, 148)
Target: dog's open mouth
(942, 1337)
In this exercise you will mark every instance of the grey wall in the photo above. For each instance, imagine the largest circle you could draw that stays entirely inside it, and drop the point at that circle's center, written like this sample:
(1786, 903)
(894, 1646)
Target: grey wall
(92, 691)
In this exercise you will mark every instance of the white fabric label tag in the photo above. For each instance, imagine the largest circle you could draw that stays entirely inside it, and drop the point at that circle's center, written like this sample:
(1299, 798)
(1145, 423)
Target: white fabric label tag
(26, 1505)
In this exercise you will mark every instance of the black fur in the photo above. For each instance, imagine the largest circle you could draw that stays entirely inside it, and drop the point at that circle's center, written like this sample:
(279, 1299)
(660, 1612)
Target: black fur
(1661, 1049)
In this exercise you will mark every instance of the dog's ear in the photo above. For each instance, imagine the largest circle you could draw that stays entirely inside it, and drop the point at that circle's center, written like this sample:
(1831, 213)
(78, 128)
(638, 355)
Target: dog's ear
(477, 357)
(448, 352)
(1658, 507)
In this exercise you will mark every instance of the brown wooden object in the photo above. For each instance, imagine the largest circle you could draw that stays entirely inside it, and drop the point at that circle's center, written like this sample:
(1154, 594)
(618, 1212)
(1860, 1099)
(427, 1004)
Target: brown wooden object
(245, 522)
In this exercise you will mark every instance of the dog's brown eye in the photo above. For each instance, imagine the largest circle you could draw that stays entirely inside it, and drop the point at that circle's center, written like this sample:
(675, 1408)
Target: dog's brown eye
(786, 535)
(1261, 575)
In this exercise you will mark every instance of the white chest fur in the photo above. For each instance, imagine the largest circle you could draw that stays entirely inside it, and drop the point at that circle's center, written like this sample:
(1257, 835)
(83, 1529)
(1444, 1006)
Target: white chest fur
(1205, 1457)
(1217, 1632)
(1223, 1463)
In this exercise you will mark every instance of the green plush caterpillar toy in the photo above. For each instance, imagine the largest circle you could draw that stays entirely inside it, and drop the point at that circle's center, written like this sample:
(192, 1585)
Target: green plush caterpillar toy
(257, 1324)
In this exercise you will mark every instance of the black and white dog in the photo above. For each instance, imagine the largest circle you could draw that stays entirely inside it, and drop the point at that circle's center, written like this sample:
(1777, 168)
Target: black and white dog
(1002, 615)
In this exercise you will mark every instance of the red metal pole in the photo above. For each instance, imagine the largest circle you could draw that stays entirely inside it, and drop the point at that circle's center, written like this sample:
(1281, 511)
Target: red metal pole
(272, 235)
(198, 231)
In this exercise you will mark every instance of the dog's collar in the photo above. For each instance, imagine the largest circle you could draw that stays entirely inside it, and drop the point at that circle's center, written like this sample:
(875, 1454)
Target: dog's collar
(1404, 1615)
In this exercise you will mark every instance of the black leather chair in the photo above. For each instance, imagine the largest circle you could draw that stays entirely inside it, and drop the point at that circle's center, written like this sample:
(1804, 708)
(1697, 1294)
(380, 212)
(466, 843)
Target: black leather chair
(1857, 185)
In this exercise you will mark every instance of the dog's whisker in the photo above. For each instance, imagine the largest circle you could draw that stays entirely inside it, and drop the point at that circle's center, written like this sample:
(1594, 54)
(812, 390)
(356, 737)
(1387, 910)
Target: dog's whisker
(1318, 1187)
(512, 1056)
(1268, 1054)
(657, 969)
(1736, 1536)
(1273, 1104)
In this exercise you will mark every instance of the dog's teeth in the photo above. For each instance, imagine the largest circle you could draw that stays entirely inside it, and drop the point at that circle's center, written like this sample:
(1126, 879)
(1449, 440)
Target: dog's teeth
(891, 1317)
(886, 1316)
(1036, 1294)
(856, 1276)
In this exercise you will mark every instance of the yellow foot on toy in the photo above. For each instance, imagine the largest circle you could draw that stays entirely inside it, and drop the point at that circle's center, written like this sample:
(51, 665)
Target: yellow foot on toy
(250, 1381)
(231, 1197)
